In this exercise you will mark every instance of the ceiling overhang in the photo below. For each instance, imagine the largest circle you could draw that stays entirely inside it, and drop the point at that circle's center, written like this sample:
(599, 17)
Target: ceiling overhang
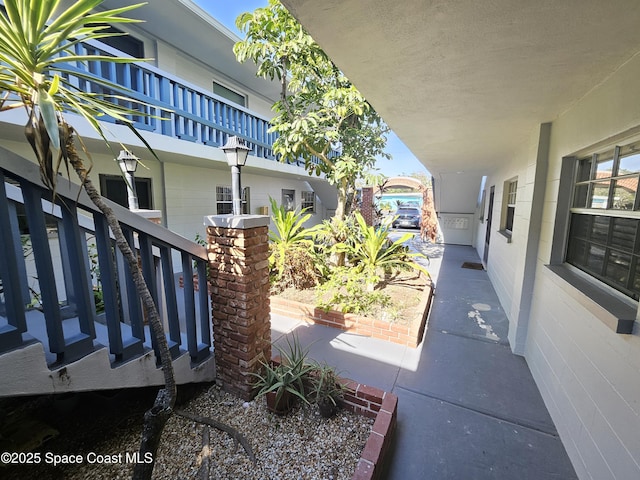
(464, 84)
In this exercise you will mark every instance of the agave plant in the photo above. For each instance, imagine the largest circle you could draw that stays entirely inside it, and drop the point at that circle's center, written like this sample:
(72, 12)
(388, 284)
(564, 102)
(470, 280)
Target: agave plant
(36, 58)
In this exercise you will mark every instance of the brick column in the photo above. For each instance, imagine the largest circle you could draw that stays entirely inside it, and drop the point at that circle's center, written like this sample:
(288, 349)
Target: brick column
(238, 252)
(366, 206)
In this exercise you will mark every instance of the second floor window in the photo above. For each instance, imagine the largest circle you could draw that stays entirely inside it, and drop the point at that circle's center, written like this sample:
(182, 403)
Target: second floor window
(125, 43)
(229, 94)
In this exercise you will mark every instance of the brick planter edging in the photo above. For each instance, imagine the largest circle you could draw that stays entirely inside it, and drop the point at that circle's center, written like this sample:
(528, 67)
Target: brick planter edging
(374, 403)
(383, 406)
(390, 332)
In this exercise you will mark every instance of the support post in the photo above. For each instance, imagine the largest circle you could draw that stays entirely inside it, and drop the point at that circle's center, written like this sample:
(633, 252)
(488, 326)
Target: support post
(238, 251)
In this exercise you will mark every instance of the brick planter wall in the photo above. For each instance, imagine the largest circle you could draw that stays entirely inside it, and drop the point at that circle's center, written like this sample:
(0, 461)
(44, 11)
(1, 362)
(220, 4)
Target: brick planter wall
(373, 403)
(401, 334)
(238, 252)
(383, 406)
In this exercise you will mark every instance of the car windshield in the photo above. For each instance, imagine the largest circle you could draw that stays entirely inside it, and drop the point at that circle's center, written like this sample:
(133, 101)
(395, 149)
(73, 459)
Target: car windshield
(407, 211)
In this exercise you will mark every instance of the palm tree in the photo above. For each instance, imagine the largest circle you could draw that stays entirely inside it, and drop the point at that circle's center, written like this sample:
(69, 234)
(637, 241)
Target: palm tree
(36, 48)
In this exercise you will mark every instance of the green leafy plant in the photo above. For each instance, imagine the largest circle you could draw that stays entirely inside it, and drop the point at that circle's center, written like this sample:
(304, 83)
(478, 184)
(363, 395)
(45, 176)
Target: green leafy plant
(326, 390)
(330, 238)
(37, 74)
(321, 117)
(346, 291)
(372, 251)
(291, 259)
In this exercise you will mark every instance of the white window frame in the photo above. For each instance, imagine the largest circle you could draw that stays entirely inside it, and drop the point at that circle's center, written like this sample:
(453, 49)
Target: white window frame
(612, 306)
(224, 200)
(509, 200)
(227, 88)
(308, 201)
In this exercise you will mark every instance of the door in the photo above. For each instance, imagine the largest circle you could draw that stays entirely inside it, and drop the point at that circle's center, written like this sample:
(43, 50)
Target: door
(487, 235)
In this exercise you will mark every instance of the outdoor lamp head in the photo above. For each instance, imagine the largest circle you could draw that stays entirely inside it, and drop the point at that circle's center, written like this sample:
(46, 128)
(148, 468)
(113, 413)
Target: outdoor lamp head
(128, 161)
(236, 152)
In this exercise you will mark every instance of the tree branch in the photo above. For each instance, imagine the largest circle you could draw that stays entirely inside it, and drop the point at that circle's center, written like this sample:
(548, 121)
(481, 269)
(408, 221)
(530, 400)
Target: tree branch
(236, 435)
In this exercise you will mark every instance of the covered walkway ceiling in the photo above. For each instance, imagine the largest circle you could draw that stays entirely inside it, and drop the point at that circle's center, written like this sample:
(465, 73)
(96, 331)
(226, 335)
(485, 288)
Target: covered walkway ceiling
(464, 83)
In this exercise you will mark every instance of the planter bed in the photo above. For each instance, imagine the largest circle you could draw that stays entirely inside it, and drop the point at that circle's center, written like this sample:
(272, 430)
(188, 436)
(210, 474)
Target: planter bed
(410, 335)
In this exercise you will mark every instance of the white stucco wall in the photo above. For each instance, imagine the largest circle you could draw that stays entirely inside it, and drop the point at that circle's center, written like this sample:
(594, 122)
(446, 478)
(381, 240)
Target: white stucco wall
(190, 69)
(191, 195)
(510, 257)
(588, 375)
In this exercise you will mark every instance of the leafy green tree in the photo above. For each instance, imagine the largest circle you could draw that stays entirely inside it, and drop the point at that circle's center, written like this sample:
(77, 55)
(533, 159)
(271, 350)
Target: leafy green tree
(36, 49)
(320, 117)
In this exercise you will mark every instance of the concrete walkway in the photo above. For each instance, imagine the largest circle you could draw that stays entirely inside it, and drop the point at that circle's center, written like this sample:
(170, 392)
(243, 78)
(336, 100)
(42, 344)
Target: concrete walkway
(468, 408)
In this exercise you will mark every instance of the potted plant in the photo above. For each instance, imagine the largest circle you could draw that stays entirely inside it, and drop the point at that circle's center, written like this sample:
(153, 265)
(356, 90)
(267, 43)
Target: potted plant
(326, 390)
(283, 382)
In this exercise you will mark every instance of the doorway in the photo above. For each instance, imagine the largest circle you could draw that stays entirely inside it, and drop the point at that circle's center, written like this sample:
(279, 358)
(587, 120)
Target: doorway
(487, 235)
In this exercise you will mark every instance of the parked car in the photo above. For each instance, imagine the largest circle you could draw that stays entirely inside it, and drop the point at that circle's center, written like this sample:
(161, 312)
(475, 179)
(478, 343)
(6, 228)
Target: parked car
(407, 217)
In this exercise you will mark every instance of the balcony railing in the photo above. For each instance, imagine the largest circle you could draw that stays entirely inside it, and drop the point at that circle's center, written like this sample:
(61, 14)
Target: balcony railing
(190, 113)
(59, 262)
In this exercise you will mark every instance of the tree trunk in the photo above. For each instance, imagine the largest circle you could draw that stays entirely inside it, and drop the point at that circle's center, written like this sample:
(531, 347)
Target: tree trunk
(338, 258)
(155, 418)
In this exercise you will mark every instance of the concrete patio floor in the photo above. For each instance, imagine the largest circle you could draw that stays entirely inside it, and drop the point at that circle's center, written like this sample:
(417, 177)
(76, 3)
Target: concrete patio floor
(467, 407)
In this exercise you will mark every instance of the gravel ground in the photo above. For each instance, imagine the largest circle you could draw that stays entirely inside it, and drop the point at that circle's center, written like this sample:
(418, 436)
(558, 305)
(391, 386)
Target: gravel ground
(300, 445)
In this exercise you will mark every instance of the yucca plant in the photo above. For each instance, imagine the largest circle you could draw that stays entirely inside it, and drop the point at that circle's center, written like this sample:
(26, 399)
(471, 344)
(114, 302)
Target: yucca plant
(36, 57)
(372, 251)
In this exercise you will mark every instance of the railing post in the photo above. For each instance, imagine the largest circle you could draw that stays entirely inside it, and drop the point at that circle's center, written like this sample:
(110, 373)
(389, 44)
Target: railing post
(238, 253)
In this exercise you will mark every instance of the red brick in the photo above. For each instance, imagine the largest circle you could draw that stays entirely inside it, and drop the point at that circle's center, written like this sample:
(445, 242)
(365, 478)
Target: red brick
(373, 448)
(400, 328)
(383, 423)
(370, 393)
(364, 471)
(359, 402)
(390, 402)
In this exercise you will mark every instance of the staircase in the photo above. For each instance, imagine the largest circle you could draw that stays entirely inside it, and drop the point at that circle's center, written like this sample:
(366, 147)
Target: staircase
(70, 318)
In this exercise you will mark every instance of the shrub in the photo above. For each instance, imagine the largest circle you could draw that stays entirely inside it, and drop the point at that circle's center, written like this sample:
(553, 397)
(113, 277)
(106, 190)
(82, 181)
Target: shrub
(346, 291)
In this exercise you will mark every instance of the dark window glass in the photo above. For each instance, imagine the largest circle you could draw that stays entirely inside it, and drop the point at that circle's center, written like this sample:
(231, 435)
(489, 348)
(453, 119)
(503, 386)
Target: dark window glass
(125, 43)
(115, 189)
(229, 94)
(606, 248)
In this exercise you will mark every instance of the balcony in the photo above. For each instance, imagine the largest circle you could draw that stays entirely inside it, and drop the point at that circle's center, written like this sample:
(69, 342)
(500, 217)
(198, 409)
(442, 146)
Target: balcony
(170, 106)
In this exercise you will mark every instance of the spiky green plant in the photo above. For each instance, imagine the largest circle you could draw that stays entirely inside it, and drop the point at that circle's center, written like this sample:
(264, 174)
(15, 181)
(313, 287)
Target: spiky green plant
(373, 251)
(291, 243)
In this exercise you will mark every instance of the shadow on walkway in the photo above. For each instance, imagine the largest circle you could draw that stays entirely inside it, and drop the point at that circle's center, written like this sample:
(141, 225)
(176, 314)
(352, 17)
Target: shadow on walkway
(468, 408)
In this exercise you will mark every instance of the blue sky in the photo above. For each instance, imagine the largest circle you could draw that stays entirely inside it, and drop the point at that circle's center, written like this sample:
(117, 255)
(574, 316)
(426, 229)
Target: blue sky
(226, 12)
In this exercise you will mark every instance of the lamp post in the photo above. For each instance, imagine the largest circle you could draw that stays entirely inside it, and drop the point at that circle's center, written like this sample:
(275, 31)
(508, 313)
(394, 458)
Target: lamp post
(128, 163)
(236, 152)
